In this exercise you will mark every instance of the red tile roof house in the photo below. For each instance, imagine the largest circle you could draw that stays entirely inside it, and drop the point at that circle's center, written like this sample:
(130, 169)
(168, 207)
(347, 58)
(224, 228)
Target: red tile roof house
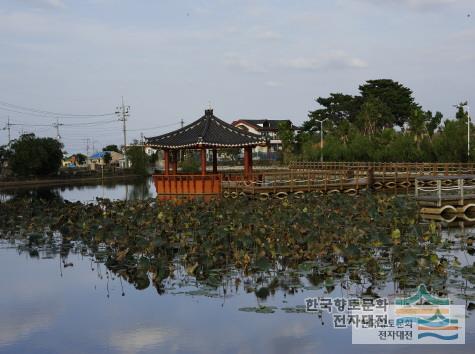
(267, 128)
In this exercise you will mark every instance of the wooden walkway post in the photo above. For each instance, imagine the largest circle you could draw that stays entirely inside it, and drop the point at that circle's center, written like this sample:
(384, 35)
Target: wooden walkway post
(461, 194)
(370, 178)
(439, 193)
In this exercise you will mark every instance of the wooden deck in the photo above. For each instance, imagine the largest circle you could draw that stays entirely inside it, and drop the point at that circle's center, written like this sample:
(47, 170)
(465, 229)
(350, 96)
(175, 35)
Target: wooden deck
(328, 178)
(342, 177)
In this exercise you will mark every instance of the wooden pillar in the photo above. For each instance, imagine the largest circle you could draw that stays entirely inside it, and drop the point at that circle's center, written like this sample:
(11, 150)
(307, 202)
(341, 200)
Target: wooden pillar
(166, 162)
(203, 161)
(215, 161)
(250, 160)
(175, 161)
(247, 161)
(246, 167)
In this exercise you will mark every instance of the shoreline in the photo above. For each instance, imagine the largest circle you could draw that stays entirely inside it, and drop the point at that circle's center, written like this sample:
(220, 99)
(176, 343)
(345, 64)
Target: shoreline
(65, 181)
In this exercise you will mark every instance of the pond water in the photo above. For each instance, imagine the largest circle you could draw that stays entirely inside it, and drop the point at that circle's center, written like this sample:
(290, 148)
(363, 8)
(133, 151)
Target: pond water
(63, 293)
(135, 189)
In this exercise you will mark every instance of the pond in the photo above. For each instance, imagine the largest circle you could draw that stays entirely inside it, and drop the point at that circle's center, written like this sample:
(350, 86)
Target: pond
(132, 189)
(230, 276)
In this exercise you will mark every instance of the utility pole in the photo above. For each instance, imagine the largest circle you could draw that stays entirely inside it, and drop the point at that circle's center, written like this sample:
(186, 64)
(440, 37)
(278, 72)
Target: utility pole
(57, 125)
(87, 145)
(123, 113)
(142, 142)
(9, 128)
(182, 122)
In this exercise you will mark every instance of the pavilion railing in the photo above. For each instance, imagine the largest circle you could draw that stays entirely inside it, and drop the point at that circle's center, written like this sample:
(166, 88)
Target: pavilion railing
(188, 184)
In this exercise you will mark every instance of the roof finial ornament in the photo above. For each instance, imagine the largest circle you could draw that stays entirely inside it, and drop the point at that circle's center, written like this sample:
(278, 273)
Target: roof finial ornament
(209, 111)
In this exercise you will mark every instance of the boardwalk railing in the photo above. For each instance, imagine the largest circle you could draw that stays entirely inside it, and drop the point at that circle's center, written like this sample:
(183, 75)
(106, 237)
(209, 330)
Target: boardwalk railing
(415, 168)
(445, 190)
(293, 181)
(339, 177)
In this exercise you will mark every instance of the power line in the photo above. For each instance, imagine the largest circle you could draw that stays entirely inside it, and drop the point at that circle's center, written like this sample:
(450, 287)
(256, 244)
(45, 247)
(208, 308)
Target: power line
(43, 113)
(156, 127)
(92, 124)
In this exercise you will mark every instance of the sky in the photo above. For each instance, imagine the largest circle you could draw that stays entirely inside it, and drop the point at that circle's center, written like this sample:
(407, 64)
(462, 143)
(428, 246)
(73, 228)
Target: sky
(249, 59)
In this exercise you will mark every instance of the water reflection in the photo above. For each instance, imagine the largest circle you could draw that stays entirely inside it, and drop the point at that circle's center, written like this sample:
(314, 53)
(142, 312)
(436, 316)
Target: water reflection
(143, 277)
(135, 189)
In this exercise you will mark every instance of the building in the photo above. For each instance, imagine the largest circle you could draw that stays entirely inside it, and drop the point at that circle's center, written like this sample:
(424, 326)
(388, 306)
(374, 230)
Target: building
(98, 159)
(267, 128)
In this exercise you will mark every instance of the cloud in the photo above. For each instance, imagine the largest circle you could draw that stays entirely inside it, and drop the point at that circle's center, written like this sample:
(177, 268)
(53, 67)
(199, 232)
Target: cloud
(267, 35)
(337, 60)
(136, 340)
(58, 4)
(46, 25)
(236, 62)
(417, 4)
(25, 23)
(273, 83)
(20, 322)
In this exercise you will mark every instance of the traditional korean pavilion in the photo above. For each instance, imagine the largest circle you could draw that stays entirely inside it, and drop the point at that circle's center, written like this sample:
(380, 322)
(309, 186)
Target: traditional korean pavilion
(206, 133)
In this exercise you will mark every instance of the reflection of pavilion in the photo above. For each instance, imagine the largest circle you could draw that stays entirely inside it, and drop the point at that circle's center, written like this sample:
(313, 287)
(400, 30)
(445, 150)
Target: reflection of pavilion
(206, 133)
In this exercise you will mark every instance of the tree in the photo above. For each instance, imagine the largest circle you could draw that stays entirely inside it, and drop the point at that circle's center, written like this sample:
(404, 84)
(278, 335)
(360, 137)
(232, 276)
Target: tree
(138, 159)
(450, 144)
(286, 134)
(190, 163)
(111, 148)
(32, 156)
(337, 108)
(231, 153)
(397, 97)
(417, 126)
(81, 159)
(5, 154)
(107, 158)
(422, 124)
(373, 116)
(153, 158)
(461, 113)
(433, 122)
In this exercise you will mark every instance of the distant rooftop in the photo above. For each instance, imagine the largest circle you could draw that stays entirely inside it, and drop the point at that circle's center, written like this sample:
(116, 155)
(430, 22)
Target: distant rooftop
(265, 124)
(98, 155)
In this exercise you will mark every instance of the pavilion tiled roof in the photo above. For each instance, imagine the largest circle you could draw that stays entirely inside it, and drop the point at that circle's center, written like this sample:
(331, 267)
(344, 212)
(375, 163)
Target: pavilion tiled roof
(207, 131)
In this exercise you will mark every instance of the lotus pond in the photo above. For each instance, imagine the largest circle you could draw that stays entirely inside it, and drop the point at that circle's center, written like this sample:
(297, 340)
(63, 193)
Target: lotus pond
(225, 276)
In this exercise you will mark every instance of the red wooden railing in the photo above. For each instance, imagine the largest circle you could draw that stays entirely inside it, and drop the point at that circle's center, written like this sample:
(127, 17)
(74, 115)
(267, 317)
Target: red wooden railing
(187, 184)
